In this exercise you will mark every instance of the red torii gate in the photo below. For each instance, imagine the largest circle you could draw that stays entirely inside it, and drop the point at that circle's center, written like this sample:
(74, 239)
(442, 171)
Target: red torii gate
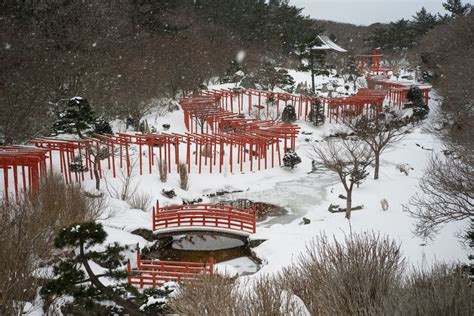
(366, 102)
(225, 99)
(154, 272)
(396, 90)
(375, 61)
(30, 161)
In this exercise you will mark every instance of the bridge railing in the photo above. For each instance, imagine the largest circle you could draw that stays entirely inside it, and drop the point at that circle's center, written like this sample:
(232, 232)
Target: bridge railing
(213, 216)
(154, 272)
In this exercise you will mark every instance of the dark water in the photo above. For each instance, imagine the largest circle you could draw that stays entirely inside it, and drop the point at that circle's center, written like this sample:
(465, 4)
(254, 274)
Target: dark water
(197, 247)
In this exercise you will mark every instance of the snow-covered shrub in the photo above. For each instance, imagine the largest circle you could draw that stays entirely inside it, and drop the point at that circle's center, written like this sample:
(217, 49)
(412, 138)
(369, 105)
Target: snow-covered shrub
(140, 201)
(183, 176)
(291, 159)
(289, 114)
(163, 170)
(316, 114)
(404, 168)
(76, 117)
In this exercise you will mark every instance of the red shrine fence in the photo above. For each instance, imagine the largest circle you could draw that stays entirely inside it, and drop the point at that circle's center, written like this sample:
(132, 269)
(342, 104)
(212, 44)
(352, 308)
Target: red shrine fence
(220, 136)
(209, 217)
(154, 272)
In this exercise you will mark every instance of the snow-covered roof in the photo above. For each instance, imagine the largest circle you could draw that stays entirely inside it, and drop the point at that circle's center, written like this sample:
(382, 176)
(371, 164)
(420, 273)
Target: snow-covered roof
(328, 44)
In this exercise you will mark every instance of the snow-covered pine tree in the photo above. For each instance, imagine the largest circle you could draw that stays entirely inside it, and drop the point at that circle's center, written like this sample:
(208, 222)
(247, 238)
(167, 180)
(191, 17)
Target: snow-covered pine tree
(291, 159)
(316, 114)
(75, 277)
(77, 117)
(289, 114)
(415, 97)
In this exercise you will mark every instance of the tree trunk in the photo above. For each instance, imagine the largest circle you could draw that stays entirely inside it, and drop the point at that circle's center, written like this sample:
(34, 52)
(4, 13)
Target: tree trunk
(377, 165)
(312, 75)
(348, 204)
(96, 172)
(130, 307)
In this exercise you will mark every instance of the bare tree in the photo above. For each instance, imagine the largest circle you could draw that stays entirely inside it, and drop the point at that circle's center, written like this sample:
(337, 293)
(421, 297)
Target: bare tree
(381, 132)
(98, 152)
(448, 195)
(349, 159)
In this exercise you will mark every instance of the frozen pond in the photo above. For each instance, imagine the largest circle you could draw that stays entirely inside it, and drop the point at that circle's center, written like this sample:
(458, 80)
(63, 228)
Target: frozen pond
(296, 196)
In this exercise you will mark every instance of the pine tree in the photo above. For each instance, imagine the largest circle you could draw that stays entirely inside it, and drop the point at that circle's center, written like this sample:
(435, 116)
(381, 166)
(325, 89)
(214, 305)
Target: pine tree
(316, 114)
(415, 97)
(101, 126)
(289, 114)
(77, 116)
(456, 8)
(423, 21)
(291, 159)
(312, 59)
(75, 277)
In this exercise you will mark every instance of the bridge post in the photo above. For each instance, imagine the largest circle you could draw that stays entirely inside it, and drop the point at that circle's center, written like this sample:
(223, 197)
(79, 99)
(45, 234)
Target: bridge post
(211, 265)
(129, 270)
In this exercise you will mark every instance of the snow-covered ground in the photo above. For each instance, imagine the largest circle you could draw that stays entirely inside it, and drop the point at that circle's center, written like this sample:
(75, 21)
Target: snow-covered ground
(303, 195)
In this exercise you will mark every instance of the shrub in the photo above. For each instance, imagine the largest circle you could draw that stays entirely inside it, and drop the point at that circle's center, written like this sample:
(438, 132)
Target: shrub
(213, 296)
(442, 290)
(140, 201)
(361, 275)
(183, 176)
(163, 169)
(27, 231)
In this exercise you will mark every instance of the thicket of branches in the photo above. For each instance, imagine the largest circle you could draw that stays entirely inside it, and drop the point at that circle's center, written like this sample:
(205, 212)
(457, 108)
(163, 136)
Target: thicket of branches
(362, 275)
(27, 232)
(120, 55)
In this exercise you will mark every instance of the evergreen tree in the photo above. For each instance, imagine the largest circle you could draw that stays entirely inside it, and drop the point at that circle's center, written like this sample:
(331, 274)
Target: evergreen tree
(312, 59)
(77, 116)
(423, 21)
(101, 126)
(289, 114)
(75, 277)
(269, 78)
(291, 159)
(456, 8)
(415, 97)
(316, 114)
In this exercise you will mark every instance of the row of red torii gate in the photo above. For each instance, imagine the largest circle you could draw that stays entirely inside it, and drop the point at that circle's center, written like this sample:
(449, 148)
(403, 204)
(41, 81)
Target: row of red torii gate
(225, 133)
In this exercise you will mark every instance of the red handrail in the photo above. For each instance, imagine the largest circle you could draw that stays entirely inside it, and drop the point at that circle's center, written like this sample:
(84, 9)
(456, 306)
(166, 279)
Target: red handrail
(203, 215)
(154, 272)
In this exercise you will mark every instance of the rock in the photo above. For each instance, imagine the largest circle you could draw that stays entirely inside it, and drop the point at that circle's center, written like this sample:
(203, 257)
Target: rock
(166, 126)
(306, 221)
(169, 194)
(342, 197)
(256, 242)
(145, 233)
(337, 209)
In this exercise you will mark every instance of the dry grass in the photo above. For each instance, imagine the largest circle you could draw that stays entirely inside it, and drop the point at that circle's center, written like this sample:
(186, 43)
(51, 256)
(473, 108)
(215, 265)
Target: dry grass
(212, 296)
(140, 201)
(268, 296)
(27, 231)
(443, 290)
(361, 275)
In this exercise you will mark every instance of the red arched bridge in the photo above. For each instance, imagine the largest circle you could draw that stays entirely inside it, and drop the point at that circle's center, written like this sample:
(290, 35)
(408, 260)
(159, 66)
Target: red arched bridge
(154, 272)
(172, 219)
